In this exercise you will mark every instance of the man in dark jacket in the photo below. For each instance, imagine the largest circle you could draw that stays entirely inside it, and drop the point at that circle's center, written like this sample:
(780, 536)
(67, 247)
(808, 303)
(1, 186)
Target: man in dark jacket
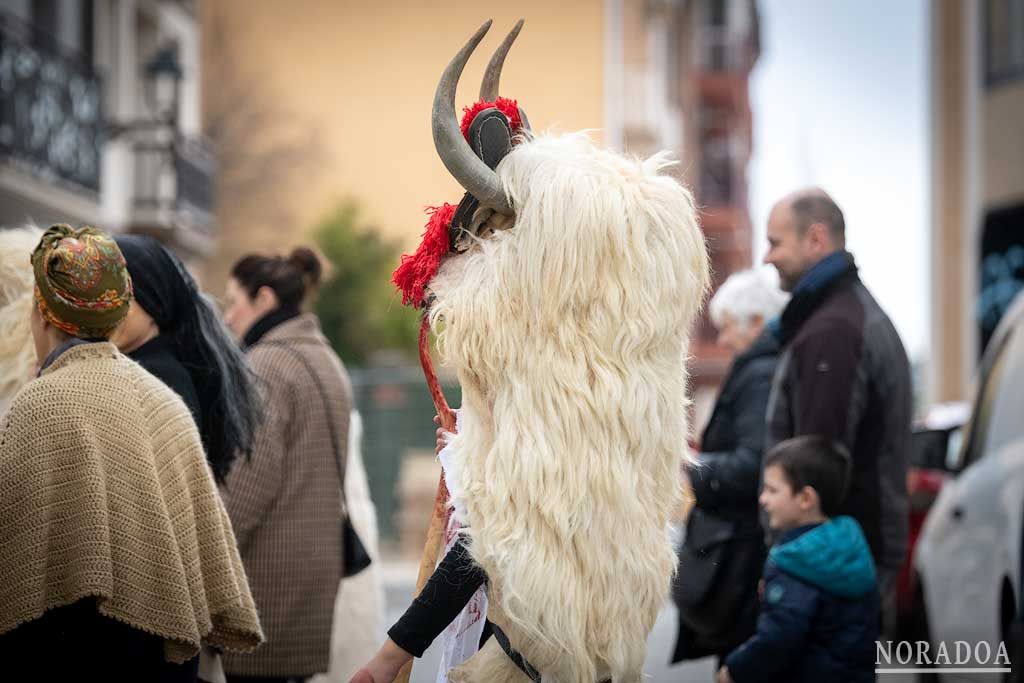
(721, 557)
(843, 372)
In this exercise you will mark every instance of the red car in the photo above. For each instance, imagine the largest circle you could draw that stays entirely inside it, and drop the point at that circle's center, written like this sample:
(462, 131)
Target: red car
(936, 437)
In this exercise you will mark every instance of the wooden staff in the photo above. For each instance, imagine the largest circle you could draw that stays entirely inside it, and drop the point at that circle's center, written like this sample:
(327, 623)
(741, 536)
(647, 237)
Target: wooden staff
(439, 517)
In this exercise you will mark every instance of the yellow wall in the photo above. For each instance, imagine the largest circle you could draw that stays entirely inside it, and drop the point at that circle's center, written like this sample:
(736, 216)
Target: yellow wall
(361, 77)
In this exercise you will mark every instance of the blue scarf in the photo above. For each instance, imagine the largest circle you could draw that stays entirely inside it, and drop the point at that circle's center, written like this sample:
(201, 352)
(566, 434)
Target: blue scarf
(813, 288)
(822, 273)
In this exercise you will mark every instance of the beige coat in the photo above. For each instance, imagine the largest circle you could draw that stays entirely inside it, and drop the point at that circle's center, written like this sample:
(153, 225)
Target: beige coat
(286, 503)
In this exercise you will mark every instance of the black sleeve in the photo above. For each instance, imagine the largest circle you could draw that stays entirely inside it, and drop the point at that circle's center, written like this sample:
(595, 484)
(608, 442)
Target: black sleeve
(445, 594)
(734, 476)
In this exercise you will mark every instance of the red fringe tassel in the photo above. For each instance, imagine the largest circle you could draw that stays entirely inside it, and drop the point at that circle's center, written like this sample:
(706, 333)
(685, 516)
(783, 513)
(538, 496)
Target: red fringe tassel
(416, 271)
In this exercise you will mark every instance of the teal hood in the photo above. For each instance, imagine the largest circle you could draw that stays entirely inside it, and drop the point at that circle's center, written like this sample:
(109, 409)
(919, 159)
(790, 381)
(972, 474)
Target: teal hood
(833, 556)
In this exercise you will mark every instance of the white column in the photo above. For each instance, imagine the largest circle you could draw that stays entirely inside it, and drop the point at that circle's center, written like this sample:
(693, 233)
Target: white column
(973, 179)
(614, 79)
(116, 48)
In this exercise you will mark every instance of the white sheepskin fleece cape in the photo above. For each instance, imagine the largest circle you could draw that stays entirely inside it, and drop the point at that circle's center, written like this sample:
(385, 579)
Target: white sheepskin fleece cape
(569, 332)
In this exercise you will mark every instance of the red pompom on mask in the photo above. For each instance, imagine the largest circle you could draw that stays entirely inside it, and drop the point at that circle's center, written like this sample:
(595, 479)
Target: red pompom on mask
(416, 271)
(510, 108)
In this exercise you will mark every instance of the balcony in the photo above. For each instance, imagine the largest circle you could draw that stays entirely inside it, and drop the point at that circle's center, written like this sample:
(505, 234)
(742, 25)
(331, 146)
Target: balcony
(651, 122)
(173, 194)
(724, 153)
(50, 117)
(723, 48)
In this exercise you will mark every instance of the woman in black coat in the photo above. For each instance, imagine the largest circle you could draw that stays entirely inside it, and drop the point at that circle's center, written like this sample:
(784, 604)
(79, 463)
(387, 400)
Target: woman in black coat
(175, 334)
(723, 552)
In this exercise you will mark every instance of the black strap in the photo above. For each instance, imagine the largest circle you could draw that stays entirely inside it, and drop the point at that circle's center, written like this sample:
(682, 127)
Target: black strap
(517, 658)
(327, 409)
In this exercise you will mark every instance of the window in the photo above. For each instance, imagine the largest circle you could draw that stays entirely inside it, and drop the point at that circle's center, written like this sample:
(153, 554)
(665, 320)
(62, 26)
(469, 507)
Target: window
(1006, 425)
(1002, 266)
(44, 16)
(716, 34)
(997, 413)
(19, 9)
(61, 28)
(1004, 41)
(717, 177)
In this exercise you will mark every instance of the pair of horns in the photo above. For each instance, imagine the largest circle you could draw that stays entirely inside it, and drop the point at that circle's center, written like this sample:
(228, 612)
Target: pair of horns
(472, 173)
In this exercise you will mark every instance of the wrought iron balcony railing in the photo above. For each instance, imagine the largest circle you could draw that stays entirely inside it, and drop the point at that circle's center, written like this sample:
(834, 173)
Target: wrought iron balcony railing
(174, 181)
(51, 123)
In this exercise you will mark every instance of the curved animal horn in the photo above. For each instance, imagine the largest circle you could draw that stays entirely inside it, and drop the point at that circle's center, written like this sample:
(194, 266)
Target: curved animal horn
(489, 85)
(466, 167)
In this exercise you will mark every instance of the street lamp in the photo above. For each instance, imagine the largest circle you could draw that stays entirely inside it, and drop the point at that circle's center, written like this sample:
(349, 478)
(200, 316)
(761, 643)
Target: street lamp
(163, 83)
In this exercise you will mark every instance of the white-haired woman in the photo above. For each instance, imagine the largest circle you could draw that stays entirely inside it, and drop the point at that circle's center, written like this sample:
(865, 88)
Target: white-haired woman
(723, 553)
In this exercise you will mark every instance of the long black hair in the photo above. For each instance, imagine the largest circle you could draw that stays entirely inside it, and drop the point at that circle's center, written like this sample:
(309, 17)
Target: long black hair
(228, 398)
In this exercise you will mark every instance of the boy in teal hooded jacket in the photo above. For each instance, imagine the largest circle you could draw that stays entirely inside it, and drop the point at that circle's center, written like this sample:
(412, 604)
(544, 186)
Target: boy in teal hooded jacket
(819, 617)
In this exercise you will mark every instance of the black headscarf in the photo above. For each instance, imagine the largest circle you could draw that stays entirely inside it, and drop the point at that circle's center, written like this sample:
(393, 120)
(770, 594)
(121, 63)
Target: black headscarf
(228, 399)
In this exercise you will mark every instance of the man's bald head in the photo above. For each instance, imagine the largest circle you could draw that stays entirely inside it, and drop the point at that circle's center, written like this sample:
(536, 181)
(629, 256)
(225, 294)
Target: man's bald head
(803, 228)
(813, 205)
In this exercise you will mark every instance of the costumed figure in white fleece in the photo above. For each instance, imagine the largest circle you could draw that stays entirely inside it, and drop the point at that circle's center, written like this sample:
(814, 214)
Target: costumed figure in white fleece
(562, 290)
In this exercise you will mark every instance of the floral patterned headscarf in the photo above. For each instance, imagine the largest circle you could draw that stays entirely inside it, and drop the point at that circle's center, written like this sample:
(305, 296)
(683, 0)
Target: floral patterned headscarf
(82, 282)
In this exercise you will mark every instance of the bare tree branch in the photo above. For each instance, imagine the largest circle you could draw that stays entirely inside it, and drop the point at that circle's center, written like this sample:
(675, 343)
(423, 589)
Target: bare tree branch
(264, 151)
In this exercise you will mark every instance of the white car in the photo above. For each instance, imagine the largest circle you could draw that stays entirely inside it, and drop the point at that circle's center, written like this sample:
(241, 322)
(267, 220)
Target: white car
(968, 561)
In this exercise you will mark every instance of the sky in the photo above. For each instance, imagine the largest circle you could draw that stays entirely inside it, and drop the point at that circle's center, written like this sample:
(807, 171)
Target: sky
(840, 100)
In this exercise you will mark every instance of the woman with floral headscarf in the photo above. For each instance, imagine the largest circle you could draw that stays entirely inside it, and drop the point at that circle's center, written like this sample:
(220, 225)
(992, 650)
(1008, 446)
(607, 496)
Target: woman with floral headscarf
(119, 561)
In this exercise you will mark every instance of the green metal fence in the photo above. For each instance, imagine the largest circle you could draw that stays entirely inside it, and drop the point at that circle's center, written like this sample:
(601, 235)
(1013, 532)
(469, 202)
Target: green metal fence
(397, 416)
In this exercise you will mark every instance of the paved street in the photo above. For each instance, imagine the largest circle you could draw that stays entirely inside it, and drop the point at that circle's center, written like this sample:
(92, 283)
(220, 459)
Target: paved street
(399, 581)
(399, 586)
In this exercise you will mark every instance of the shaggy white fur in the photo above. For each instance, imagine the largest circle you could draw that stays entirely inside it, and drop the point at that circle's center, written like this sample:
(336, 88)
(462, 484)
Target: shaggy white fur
(17, 352)
(569, 333)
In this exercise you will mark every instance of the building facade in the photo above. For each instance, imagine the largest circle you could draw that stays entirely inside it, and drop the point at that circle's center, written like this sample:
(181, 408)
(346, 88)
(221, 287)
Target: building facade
(100, 118)
(677, 78)
(348, 116)
(977, 182)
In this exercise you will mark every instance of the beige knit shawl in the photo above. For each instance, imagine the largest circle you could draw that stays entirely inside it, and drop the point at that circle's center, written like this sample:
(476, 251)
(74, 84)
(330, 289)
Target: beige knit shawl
(105, 492)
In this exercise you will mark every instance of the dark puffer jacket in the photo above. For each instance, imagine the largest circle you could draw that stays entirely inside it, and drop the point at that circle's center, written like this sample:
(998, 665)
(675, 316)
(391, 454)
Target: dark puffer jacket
(723, 554)
(819, 615)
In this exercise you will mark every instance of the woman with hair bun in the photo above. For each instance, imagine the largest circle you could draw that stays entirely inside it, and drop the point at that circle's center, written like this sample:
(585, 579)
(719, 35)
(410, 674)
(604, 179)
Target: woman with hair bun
(286, 502)
(265, 291)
